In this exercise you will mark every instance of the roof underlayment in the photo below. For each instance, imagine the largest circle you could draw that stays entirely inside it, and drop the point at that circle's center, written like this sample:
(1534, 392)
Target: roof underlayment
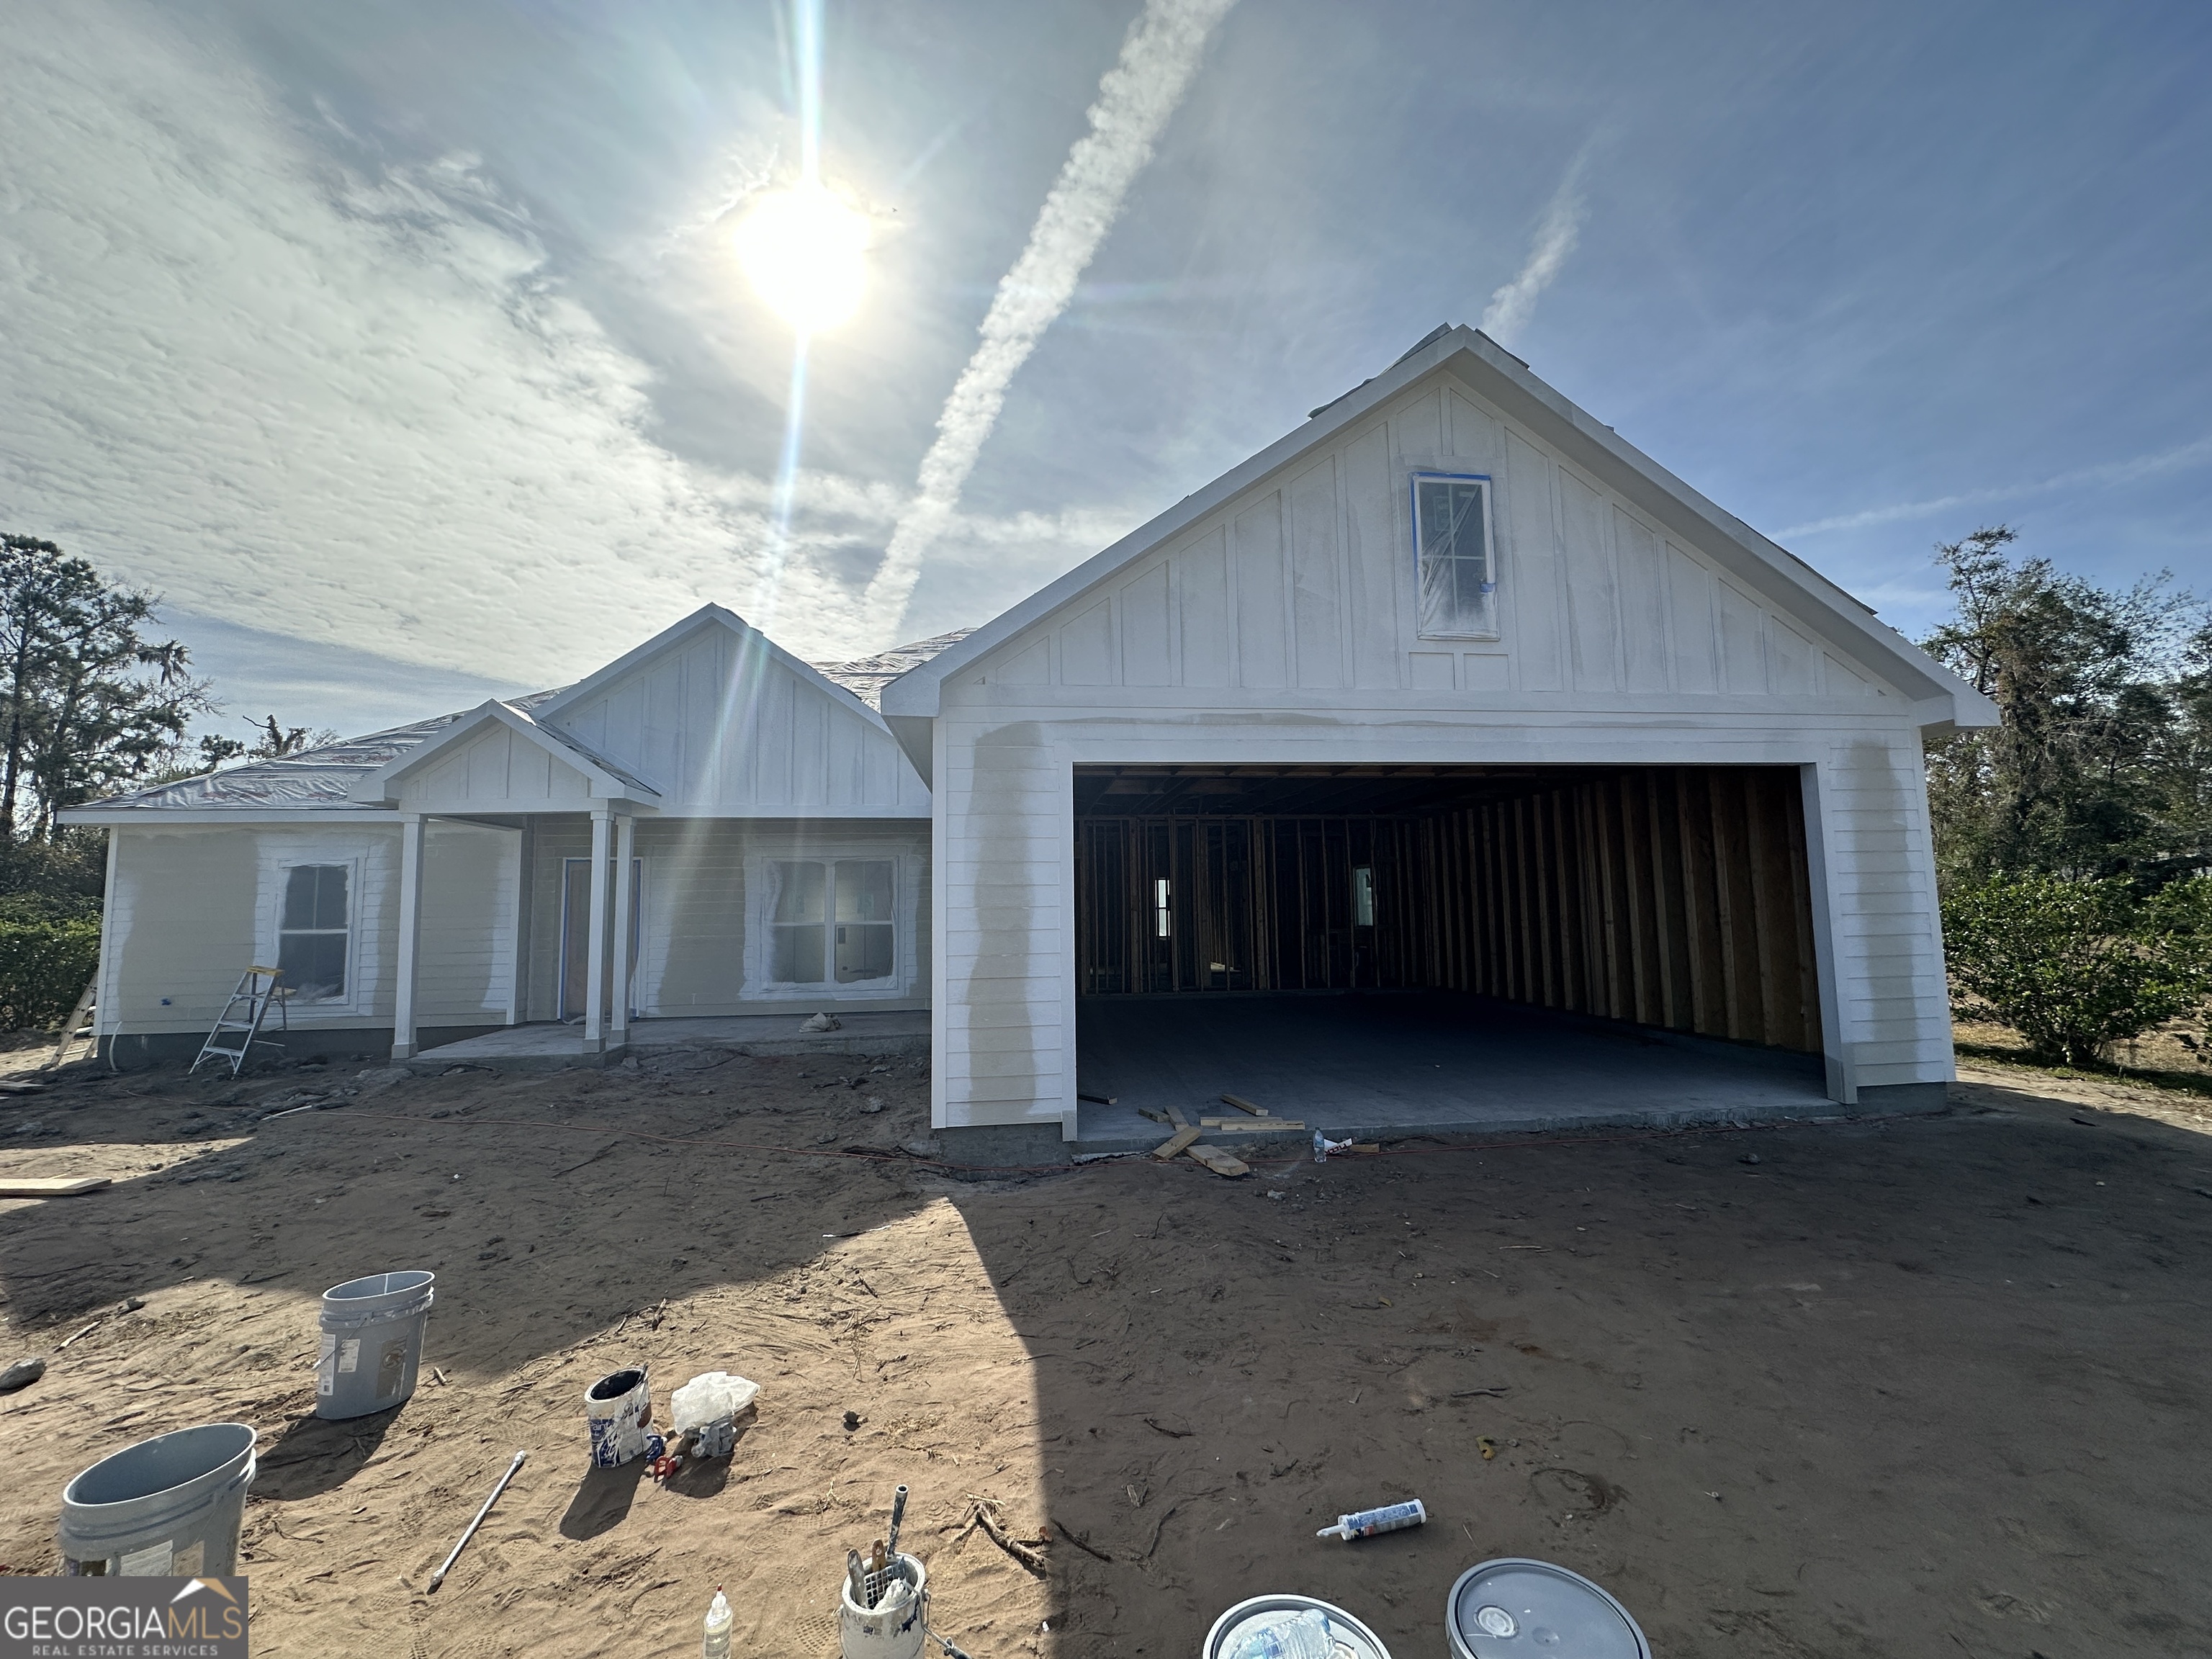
(323, 778)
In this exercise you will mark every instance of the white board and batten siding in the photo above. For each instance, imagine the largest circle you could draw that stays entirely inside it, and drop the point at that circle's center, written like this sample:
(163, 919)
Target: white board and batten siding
(1280, 626)
(720, 726)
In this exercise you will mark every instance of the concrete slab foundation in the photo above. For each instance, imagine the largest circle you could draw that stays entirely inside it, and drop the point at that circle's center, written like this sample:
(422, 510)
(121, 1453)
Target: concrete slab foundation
(1364, 1064)
(1004, 1145)
(873, 1033)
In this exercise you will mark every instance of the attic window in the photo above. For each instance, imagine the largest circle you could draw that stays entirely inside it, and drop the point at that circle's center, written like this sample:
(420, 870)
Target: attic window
(1451, 539)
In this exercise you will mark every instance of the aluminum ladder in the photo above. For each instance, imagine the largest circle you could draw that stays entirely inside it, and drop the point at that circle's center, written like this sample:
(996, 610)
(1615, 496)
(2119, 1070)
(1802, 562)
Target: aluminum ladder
(257, 989)
(77, 1027)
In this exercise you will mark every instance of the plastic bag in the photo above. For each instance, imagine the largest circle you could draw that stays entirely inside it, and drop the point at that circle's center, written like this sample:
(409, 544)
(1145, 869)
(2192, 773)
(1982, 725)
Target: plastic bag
(709, 1397)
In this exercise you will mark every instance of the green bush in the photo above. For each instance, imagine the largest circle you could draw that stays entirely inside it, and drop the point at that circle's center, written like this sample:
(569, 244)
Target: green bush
(2075, 966)
(45, 962)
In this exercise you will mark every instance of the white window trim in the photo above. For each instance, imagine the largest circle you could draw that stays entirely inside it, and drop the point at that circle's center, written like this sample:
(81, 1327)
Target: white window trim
(907, 876)
(354, 1001)
(1414, 479)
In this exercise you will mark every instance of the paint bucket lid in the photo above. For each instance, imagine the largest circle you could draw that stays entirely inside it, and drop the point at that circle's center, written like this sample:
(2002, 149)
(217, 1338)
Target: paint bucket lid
(1513, 1608)
(1353, 1639)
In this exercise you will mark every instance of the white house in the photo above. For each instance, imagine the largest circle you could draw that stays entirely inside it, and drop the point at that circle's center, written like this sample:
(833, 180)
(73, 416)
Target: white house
(1450, 692)
(1588, 743)
(431, 883)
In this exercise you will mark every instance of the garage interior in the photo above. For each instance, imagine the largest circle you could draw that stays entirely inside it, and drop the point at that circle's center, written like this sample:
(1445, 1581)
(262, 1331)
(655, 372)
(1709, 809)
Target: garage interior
(1467, 949)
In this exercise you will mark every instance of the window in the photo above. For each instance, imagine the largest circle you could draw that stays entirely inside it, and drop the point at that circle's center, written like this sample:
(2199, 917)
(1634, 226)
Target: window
(832, 922)
(1451, 532)
(1362, 895)
(1161, 926)
(314, 930)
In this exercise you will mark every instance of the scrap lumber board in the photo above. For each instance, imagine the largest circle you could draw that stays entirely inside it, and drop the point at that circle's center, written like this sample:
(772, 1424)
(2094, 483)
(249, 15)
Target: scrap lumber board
(1244, 1105)
(1218, 1161)
(1179, 1142)
(66, 1186)
(1176, 1117)
(1251, 1125)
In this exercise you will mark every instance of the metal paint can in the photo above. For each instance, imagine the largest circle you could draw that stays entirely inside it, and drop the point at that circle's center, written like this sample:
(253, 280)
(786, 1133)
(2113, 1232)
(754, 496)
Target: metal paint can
(1353, 1639)
(1513, 1607)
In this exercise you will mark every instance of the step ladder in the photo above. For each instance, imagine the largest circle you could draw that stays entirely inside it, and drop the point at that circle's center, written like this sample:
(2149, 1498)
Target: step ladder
(77, 1027)
(241, 1019)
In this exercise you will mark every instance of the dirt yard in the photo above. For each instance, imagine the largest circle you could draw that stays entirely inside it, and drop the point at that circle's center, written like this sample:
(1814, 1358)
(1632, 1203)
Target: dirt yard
(1922, 1386)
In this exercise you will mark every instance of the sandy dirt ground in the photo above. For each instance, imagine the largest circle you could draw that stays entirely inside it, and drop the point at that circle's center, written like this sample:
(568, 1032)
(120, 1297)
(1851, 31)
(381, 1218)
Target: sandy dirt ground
(1916, 1386)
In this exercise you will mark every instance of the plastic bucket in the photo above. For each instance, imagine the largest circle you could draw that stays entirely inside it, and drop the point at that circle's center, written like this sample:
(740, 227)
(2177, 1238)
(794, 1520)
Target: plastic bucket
(371, 1342)
(616, 1408)
(894, 1628)
(1353, 1639)
(168, 1507)
(1512, 1606)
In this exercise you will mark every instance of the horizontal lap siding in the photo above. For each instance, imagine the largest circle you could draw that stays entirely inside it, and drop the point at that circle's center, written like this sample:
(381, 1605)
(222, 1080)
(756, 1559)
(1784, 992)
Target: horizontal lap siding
(1002, 1054)
(194, 907)
(471, 881)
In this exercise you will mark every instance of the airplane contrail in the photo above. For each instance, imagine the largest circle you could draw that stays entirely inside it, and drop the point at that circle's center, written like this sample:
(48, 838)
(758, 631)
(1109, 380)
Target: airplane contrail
(1159, 56)
(1511, 306)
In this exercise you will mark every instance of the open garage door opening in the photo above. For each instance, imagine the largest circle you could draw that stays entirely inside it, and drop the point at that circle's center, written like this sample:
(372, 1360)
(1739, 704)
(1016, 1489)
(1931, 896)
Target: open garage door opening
(1466, 947)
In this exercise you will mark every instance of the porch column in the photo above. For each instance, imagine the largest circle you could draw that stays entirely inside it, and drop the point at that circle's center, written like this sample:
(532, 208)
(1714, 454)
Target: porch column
(411, 934)
(595, 968)
(625, 845)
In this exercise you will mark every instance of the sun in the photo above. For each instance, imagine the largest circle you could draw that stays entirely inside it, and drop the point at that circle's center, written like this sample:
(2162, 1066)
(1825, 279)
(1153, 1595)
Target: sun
(804, 252)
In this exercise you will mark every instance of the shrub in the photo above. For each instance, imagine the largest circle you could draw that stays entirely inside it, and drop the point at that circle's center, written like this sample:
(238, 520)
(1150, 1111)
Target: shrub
(2075, 966)
(47, 959)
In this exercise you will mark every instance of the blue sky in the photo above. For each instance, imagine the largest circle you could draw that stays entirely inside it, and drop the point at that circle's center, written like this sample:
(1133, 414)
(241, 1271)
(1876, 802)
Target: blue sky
(401, 347)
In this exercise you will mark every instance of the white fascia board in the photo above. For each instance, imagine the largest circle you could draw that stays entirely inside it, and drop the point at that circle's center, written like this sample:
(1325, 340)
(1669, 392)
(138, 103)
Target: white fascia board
(707, 615)
(1498, 377)
(377, 788)
(157, 817)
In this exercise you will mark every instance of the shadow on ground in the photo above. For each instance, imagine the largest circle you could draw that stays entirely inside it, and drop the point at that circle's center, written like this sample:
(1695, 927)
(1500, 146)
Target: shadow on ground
(1924, 1386)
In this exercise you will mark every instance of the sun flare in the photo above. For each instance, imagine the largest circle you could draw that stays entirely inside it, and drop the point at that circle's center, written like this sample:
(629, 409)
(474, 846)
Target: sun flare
(804, 250)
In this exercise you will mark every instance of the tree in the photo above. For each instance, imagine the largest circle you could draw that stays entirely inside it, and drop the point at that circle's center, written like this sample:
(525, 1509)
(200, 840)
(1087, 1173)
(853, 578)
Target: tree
(2074, 965)
(88, 702)
(2098, 766)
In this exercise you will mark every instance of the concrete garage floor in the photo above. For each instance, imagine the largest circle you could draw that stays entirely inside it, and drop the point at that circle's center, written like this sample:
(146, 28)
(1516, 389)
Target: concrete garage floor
(1357, 1063)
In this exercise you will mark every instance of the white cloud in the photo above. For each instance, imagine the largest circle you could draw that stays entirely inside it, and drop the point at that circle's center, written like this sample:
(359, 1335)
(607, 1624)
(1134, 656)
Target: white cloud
(1512, 305)
(1159, 56)
(347, 403)
(2175, 459)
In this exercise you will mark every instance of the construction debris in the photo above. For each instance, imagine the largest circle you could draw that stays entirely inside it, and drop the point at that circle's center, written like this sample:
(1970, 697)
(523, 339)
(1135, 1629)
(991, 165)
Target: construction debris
(1177, 1144)
(1244, 1105)
(52, 1186)
(1218, 1161)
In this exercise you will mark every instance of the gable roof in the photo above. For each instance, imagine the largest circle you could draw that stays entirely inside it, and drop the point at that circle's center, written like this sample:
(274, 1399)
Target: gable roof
(706, 617)
(1938, 696)
(609, 781)
(319, 780)
(865, 677)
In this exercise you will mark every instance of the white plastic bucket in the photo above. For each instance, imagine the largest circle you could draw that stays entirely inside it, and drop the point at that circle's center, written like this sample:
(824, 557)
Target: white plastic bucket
(168, 1507)
(371, 1342)
(895, 1628)
(616, 1408)
(1353, 1639)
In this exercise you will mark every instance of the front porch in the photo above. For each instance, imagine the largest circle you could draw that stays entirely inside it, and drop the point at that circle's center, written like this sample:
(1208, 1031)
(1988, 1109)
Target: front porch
(546, 1046)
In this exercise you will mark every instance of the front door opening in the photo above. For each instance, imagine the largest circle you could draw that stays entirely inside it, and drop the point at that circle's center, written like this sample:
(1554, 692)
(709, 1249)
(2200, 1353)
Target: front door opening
(576, 933)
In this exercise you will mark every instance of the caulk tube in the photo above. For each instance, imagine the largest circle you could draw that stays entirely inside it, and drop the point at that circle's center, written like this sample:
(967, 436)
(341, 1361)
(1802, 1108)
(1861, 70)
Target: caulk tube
(1391, 1517)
